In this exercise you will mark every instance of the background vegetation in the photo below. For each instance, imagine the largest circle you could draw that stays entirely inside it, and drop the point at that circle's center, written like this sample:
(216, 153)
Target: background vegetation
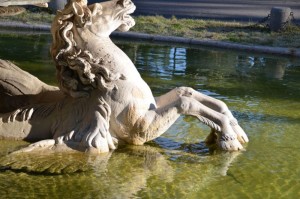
(246, 33)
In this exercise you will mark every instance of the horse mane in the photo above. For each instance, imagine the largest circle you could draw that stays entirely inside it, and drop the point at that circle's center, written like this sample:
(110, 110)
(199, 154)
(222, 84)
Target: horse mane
(77, 71)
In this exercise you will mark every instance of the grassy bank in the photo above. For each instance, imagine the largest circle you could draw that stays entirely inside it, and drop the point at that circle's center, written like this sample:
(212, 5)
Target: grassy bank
(35, 17)
(244, 33)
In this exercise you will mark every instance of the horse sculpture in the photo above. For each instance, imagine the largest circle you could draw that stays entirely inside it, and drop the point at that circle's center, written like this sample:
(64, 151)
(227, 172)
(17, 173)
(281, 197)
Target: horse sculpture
(102, 101)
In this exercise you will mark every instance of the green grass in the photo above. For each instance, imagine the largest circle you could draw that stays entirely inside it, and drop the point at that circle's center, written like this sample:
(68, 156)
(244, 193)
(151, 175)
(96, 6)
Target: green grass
(31, 17)
(236, 32)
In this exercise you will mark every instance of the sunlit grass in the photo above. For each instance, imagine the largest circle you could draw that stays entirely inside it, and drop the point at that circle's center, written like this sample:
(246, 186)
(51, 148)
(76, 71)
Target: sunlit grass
(31, 17)
(244, 33)
(236, 32)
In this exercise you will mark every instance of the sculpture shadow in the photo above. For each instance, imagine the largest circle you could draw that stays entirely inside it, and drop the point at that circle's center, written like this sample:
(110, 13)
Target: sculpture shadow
(129, 169)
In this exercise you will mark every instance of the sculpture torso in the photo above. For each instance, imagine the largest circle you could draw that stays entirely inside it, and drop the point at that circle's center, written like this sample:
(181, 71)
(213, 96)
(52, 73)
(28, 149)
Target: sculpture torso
(132, 91)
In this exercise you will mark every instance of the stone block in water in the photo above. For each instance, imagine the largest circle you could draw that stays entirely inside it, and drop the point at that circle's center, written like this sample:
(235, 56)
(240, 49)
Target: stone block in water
(57, 4)
(279, 16)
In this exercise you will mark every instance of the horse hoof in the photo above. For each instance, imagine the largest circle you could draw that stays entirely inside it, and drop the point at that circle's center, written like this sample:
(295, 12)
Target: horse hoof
(241, 135)
(229, 143)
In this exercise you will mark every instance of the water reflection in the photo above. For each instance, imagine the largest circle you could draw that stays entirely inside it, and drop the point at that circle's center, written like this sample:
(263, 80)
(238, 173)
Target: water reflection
(170, 62)
(124, 173)
(272, 68)
(164, 61)
(27, 46)
(166, 64)
(31, 52)
(263, 92)
(221, 74)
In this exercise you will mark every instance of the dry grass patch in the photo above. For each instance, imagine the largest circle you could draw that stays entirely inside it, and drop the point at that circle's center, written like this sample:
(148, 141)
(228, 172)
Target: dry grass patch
(244, 33)
(194, 28)
(31, 17)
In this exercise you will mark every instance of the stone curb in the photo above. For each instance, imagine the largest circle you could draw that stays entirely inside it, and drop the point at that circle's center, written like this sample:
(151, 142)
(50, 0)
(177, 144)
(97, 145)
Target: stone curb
(295, 52)
(19, 25)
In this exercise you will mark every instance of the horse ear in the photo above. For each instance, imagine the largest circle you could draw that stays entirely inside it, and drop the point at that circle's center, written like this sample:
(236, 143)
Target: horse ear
(96, 9)
(77, 9)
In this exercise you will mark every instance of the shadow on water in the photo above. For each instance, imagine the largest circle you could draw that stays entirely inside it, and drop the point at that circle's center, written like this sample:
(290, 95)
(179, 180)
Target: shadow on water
(130, 170)
(53, 162)
(30, 47)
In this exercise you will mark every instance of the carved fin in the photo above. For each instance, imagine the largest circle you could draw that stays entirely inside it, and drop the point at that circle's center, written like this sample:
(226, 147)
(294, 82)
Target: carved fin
(38, 146)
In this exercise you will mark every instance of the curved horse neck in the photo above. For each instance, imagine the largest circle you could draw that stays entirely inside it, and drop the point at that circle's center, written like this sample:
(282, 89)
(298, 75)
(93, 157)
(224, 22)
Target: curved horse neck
(117, 62)
(103, 47)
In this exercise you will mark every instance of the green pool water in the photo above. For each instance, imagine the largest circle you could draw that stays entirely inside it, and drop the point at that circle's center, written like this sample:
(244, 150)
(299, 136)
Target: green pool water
(262, 91)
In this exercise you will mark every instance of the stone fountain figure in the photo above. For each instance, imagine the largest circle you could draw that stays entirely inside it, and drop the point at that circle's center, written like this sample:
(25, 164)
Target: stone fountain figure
(102, 101)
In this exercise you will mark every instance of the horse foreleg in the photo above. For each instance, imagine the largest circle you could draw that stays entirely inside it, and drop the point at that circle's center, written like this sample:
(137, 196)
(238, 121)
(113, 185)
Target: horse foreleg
(155, 122)
(225, 135)
(212, 103)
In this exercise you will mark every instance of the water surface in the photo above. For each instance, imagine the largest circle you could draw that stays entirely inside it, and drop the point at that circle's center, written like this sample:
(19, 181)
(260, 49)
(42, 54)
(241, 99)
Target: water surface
(262, 91)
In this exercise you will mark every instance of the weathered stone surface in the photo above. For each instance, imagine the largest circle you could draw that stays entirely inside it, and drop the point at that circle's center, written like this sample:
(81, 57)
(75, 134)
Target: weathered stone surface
(9, 8)
(57, 4)
(22, 2)
(10, 11)
(279, 17)
(102, 101)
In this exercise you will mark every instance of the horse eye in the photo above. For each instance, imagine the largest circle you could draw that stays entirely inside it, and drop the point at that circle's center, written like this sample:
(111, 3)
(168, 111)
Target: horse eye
(128, 2)
(121, 3)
